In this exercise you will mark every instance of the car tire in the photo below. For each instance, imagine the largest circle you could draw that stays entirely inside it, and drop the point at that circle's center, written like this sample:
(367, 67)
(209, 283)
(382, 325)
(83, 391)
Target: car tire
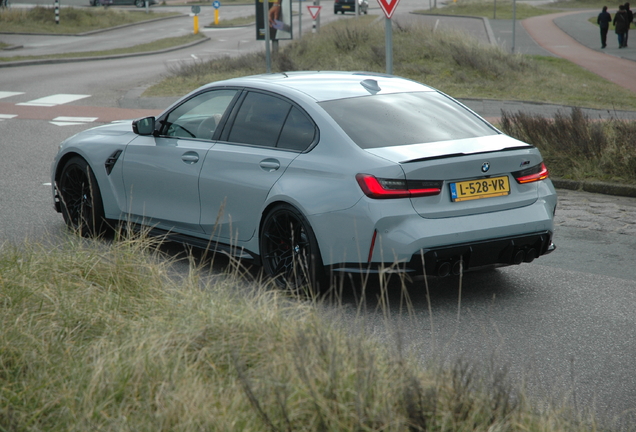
(289, 250)
(140, 3)
(81, 199)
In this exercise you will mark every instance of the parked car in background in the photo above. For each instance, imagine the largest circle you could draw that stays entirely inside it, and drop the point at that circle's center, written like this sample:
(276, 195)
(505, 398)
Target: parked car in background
(138, 3)
(343, 6)
(314, 174)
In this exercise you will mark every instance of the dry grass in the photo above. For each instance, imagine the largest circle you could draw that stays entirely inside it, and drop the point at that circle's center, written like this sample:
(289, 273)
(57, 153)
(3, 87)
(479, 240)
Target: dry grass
(109, 336)
(457, 65)
(577, 147)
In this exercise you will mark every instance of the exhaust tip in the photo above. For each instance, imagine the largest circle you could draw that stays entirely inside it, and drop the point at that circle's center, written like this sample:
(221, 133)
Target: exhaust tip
(519, 257)
(458, 267)
(530, 255)
(443, 269)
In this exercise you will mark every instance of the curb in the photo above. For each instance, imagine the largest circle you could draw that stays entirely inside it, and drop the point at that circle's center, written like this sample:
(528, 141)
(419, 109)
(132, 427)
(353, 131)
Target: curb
(106, 57)
(92, 32)
(596, 187)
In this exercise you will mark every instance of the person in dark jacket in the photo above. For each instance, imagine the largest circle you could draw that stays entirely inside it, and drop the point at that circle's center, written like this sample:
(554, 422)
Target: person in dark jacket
(604, 19)
(630, 20)
(620, 25)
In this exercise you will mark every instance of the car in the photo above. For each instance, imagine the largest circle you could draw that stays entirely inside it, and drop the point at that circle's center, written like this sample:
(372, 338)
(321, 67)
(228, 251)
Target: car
(343, 6)
(315, 175)
(138, 3)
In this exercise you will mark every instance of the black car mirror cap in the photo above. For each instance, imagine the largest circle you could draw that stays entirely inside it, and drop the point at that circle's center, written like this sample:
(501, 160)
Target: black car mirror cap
(144, 126)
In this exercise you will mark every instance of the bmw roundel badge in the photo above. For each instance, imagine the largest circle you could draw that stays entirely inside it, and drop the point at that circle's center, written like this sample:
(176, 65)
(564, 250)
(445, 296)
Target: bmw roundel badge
(485, 167)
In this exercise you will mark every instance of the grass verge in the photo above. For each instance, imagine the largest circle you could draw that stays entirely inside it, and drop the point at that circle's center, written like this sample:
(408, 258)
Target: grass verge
(503, 9)
(235, 22)
(450, 62)
(142, 48)
(97, 336)
(579, 148)
(41, 20)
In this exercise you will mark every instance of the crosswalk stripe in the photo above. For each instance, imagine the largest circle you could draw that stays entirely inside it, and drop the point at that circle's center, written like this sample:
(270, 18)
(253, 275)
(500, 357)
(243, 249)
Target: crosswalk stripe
(6, 94)
(53, 100)
(7, 116)
(75, 119)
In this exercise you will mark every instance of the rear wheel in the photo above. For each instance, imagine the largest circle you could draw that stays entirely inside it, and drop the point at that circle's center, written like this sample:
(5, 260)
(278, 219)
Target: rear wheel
(289, 250)
(81, 200)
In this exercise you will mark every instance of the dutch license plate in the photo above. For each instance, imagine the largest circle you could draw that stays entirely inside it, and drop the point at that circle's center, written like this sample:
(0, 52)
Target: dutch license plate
(478, 189)
(346, 7)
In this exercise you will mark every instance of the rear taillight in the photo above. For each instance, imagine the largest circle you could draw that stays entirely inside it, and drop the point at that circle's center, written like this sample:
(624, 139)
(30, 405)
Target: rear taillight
(529, 175)
(395, 188)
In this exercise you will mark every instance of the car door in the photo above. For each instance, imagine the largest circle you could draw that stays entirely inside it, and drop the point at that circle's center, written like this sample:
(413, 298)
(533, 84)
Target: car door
(265, 134)
(161, 173)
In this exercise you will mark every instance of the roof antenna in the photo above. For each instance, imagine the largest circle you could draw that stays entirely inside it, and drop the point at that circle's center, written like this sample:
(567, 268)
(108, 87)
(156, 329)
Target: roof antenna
(371, 85)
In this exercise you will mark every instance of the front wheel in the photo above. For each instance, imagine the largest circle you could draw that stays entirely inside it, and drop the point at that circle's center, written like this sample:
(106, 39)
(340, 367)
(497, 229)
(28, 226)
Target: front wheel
(140, 3)
(81, 199)
(289, 250)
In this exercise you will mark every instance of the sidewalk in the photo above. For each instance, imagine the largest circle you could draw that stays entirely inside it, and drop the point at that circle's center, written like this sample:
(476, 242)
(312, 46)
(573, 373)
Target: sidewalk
(556, 33)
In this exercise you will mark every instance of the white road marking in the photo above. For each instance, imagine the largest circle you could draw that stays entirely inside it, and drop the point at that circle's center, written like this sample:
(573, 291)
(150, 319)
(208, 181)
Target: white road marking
(6, 94)
(7, 116)
(46, 184)
(75, 119)
(56, 123)
(53, 100)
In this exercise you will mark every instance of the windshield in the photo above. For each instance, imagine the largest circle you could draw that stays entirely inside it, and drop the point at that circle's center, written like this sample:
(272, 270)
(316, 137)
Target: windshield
(405, 118)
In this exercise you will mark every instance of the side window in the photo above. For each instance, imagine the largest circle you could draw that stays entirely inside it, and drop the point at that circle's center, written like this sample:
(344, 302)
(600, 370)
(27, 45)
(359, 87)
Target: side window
(298, 132)
(199, 116)
(259, 120)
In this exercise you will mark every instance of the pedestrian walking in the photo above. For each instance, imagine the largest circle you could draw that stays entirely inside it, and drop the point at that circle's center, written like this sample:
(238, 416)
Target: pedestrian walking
(604, 19)
(620, 25)
(630, 20)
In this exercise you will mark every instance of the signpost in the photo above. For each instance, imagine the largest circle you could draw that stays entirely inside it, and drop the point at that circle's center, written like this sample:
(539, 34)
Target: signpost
(388, 7)
(216, 4)
(314, 11)
(196, 10)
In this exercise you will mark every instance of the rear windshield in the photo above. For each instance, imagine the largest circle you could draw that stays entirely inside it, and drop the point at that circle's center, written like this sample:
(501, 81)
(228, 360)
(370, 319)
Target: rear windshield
(405, 118)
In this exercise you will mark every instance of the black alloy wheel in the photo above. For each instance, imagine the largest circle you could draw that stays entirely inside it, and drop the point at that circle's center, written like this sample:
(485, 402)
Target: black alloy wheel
(80, 198)
(289, 250)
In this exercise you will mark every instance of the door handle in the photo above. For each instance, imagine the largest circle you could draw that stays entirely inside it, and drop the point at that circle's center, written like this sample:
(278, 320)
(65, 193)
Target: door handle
(270, 165)
(190, 158)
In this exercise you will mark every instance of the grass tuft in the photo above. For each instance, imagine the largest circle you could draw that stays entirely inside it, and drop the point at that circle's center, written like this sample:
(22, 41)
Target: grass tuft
(577, 147)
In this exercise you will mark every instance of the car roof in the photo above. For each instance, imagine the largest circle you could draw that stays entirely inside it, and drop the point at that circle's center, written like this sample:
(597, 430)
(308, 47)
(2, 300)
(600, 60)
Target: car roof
(323, 86)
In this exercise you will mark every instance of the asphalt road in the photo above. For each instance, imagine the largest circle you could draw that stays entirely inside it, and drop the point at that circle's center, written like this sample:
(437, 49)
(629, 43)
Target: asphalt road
(563, 325)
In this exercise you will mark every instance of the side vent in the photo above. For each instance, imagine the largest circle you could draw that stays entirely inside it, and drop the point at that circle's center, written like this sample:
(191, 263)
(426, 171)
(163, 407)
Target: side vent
(111, 161)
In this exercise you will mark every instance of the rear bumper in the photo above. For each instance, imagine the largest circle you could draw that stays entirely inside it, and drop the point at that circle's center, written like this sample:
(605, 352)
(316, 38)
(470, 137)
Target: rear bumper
(454, 259)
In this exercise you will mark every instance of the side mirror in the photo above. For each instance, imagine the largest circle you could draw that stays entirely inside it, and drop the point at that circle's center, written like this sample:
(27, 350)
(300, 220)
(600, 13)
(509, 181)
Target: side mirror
(144, 126)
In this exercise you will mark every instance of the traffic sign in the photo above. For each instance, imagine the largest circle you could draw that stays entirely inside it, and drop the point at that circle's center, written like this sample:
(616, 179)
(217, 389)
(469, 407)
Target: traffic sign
(216, 4)
(388, 6)
(314, 11)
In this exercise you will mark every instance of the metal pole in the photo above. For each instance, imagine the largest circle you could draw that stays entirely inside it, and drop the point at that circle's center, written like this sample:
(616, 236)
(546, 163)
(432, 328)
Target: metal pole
(388, 33)
(57, 11)
(268, 54)
(300, 19)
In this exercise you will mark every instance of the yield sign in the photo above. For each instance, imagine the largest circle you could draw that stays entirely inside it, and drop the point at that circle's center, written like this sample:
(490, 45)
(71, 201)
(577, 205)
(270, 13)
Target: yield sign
(314, 11)
(388, 6)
